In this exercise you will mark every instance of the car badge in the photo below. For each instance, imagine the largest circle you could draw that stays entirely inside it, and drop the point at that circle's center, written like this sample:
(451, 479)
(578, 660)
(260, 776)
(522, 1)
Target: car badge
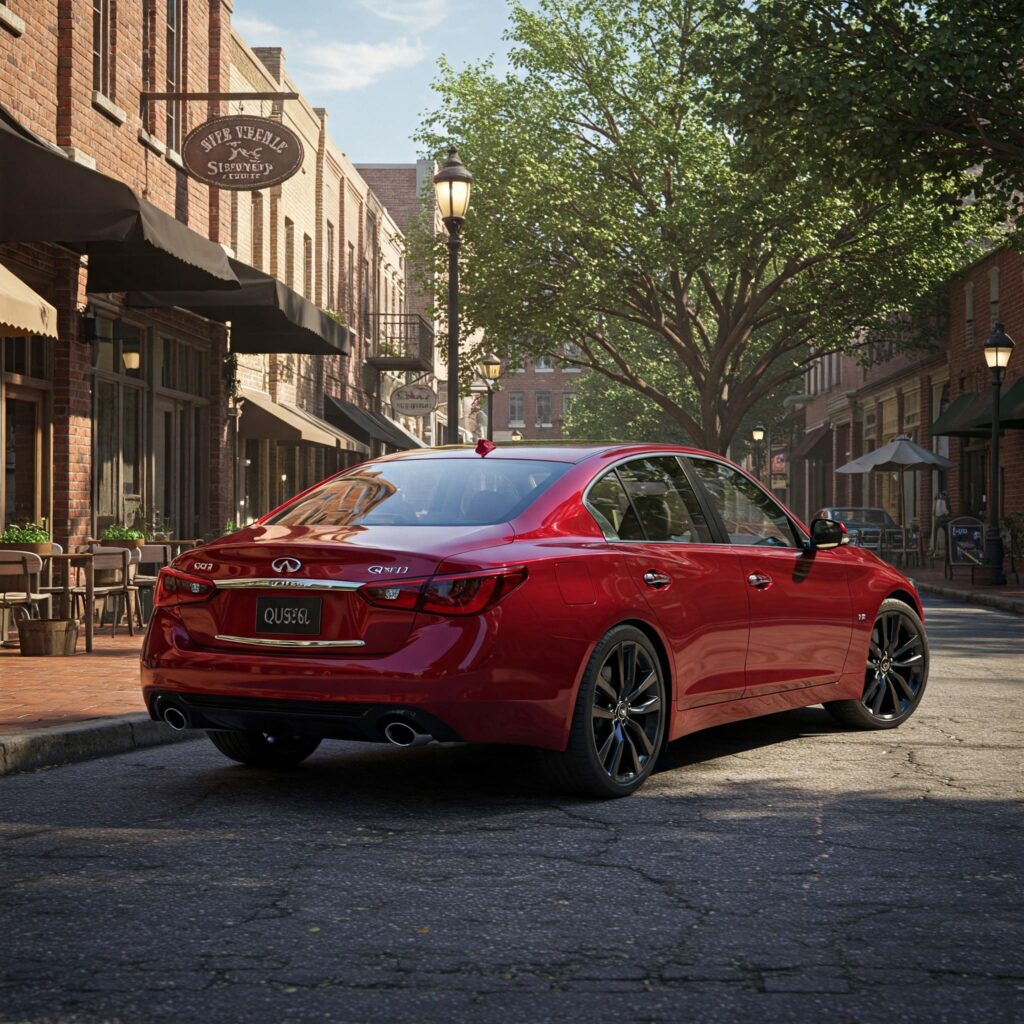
(388, 570)
(286, 565)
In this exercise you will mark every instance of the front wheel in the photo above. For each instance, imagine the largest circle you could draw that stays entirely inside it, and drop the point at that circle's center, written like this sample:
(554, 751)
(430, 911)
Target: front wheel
(896, 672)
(618, 724)
(262, 749)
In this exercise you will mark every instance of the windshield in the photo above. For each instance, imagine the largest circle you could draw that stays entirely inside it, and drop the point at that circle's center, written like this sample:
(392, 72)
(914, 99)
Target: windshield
(424, 492)
(874, 516)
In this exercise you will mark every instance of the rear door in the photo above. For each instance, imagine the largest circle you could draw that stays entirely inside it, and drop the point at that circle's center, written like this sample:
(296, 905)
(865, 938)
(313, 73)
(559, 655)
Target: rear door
(801, 611)
(650, 511)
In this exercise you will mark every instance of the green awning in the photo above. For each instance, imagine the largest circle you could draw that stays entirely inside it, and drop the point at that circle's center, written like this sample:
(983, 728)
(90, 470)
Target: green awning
(1011, 406)
(970, 414)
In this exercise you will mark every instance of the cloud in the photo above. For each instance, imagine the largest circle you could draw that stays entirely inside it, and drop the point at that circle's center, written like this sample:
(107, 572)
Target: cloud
(335, 66)
(343, 67)
(413, 15)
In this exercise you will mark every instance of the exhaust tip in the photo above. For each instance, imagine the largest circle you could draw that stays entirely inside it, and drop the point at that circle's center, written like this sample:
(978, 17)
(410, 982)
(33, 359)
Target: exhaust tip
(175, 718)
(402, 734)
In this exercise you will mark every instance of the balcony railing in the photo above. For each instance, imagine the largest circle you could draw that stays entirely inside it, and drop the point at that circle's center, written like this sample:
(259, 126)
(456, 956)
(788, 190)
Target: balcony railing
(404, 341)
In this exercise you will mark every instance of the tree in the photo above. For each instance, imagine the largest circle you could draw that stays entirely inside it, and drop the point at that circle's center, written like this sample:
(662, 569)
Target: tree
(613, 203)
(904, 87)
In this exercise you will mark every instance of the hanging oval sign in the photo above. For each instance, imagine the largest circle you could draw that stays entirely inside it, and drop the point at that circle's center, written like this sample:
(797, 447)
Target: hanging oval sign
(242, 153)
(414, 400)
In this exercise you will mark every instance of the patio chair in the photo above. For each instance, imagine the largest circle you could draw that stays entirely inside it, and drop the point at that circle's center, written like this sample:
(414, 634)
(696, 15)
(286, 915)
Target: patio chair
(153, 558)
(118, 566)
(20, 592)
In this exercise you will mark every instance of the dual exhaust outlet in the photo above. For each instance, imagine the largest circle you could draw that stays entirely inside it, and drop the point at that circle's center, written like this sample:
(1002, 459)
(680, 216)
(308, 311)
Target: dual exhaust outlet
(397, 732)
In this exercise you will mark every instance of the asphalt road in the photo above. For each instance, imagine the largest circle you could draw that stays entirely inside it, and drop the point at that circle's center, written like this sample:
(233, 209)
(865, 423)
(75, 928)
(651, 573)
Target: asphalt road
(776, 870)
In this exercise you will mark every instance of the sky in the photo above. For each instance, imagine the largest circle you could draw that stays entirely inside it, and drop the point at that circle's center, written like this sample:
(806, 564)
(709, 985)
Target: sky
(370, 63)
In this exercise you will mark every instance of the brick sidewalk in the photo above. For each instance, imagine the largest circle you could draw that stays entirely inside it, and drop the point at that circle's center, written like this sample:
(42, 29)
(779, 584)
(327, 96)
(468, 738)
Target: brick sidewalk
(40, 692)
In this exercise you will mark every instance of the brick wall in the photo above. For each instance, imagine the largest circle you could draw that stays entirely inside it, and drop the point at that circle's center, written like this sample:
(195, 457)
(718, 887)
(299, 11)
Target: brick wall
(557, 382)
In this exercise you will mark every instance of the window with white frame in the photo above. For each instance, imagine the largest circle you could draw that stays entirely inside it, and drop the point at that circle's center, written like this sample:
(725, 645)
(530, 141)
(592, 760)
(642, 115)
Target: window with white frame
(570, 350)
(103, 47)
(516, 409)
(544, 364)
(543, 408)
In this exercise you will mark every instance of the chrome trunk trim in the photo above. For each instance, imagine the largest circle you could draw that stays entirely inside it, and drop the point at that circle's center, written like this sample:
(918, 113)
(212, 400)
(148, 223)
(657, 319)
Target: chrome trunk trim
(283, 583)
(264, 642)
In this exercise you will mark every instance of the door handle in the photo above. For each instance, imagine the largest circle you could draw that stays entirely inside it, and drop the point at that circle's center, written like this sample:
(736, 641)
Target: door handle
(658, 580)
(759, 580)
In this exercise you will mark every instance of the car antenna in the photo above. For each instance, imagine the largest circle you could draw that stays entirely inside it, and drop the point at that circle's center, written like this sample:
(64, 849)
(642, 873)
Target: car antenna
(484, 447)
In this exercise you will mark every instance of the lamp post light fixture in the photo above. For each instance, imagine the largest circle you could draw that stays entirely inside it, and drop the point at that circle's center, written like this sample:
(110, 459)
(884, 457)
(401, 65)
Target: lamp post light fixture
(452, 186)
(758, 434)
(490, 371)
(997, 350)
(517, 435)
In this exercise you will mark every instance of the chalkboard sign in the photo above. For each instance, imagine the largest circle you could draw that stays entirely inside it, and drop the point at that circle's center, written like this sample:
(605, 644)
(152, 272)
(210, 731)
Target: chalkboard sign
(966, 541)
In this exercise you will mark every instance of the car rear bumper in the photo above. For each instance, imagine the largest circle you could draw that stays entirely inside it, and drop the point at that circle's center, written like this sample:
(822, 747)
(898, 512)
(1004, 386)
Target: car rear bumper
(457, 681)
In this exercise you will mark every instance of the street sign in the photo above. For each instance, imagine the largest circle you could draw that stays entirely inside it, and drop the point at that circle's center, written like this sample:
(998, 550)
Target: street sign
(414, 400)
(242, 153)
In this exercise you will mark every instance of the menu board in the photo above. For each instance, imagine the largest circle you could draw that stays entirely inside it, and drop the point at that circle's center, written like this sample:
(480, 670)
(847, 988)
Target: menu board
(966, 541)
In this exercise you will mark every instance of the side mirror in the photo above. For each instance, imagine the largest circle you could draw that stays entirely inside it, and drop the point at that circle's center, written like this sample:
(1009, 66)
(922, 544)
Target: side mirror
(827, 533)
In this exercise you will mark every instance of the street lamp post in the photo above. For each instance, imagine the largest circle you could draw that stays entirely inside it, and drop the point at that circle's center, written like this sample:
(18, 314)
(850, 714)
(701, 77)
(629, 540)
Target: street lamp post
(758, 434)
(452, 185)
(997, 354)
(490, 371)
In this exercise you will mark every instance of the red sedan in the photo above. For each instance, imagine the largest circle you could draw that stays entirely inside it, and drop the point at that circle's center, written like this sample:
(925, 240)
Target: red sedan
(593, 602)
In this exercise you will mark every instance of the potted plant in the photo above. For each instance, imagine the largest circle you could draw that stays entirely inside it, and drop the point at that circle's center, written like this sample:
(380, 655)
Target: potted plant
(32, 537)
(118, 536)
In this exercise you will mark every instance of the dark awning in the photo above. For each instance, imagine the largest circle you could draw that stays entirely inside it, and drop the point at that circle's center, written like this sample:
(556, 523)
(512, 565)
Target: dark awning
(970, 413)
(367, 426)
(815, 444)
(130, 242)
(266, 419)
(266, 315)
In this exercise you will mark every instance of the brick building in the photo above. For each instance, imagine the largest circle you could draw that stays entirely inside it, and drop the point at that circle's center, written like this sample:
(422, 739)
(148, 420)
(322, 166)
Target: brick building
(534, 399)
(156, 401)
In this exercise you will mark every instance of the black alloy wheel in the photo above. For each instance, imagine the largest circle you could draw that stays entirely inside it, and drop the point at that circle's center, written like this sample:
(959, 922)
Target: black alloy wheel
(619, 721)
(896, 672)
(262, 749)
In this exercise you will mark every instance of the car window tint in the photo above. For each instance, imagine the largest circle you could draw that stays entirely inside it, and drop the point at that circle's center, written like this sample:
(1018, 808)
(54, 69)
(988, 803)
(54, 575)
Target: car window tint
(649, 499)
(750, 515)
(424, 492)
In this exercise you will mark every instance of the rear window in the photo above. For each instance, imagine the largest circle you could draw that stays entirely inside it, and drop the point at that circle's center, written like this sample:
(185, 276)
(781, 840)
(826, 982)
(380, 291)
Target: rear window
(424, 492)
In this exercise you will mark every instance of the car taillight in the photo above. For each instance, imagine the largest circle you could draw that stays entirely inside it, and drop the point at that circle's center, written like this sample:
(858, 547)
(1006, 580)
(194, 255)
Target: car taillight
(460, 594)
(174, 587)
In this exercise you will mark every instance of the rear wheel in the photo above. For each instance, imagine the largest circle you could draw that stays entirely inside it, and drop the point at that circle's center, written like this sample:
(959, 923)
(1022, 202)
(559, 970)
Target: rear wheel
(896, 672)
(618, 724)
(265, 750)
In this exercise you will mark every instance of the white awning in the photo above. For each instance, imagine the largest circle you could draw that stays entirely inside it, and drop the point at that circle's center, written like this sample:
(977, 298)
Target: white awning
(23, 311)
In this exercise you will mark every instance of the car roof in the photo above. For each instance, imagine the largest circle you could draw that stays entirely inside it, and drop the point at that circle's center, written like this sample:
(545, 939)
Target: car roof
(546, 451)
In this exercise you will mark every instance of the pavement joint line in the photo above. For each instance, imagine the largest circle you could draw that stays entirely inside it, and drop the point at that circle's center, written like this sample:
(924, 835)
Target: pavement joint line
(1006, 604)
(55, 745)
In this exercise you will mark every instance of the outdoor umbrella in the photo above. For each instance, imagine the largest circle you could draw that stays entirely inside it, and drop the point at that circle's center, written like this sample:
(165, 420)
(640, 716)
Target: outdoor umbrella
(900, 454)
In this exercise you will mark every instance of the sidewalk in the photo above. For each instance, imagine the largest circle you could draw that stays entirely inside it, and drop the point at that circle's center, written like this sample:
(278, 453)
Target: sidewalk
(931, 581)
(57, 710)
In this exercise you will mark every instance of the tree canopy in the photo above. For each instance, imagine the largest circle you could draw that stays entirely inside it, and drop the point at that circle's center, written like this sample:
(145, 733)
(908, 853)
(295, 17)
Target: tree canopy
(614, 207)
(906, 87)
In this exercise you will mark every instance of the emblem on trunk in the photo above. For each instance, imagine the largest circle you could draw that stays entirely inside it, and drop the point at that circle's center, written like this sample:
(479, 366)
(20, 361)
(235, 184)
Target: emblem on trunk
(388, 570)
(286, 565)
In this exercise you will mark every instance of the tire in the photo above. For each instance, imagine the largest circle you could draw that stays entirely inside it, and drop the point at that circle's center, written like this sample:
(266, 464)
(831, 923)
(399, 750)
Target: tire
(263, 750)
(619, 721)
(896, 672)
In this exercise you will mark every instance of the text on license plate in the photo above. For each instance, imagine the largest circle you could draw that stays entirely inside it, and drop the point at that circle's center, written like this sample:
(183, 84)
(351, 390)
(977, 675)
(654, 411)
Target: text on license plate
(288, 615)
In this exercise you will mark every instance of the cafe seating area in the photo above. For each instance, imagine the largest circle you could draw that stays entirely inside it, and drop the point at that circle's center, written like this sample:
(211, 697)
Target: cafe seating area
(48, 596)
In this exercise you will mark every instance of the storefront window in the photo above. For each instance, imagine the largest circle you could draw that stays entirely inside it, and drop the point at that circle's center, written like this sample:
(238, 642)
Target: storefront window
(107, 454)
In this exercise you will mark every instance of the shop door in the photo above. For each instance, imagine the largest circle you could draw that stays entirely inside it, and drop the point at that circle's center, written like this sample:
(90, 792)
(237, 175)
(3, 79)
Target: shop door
(179, 434)
(23, 455)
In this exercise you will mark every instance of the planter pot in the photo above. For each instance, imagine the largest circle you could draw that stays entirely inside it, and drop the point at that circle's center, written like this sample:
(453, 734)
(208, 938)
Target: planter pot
(130, 544)
(44, 548)
(42, 637)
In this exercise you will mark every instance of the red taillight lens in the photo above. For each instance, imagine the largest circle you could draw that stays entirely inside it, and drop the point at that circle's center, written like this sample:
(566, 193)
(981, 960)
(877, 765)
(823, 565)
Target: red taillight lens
(462, 594)
(174, 587)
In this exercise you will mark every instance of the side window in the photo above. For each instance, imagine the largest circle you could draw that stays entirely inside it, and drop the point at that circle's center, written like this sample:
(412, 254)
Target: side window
(750, 515)
(649, 499)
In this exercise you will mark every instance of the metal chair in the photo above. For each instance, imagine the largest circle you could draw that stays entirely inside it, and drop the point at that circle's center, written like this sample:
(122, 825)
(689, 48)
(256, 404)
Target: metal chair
(120, 565)
(155, 557)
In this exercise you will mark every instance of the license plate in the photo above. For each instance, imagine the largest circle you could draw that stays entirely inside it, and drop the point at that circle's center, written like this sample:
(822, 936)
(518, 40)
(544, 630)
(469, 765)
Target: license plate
(294, 615)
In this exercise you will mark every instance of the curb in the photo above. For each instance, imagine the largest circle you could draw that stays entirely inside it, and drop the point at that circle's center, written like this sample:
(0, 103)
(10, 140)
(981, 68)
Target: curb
(1004, 604)
(82, 741)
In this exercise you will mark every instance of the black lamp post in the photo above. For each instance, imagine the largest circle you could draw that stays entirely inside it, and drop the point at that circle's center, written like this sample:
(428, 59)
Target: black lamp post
(998, 349)
(490, 371)
(452, 185)
(758, 433)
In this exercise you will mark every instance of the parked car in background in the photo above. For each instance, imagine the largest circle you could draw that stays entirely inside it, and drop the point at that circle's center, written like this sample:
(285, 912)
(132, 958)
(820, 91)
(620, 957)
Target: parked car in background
(867, 527)
(592, 602)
